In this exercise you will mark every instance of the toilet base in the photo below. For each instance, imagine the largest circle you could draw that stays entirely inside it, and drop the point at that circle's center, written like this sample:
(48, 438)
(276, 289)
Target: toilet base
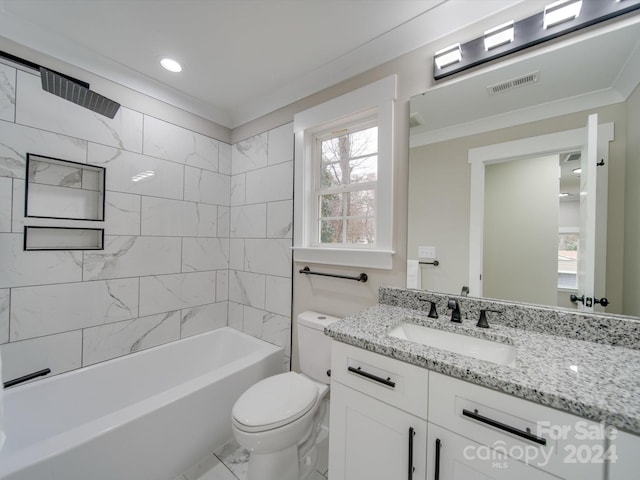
(308, 463)
(282, 465)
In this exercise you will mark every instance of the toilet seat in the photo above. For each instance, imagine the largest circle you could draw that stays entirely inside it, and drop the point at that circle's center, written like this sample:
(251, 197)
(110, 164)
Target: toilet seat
(274, 402)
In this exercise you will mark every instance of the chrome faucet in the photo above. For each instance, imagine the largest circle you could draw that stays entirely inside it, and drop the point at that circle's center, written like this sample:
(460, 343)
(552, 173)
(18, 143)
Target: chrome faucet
(465, 291)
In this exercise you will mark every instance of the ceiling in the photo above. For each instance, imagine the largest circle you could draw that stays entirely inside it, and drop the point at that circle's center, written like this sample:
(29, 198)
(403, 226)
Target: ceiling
(241, 58)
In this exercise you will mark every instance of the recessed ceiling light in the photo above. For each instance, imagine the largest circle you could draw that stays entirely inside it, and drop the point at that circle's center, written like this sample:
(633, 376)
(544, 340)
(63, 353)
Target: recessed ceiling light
(564, 194)
(171, 65)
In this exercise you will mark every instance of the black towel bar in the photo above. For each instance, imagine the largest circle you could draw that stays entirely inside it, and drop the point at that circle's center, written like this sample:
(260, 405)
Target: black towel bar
(435, 263)
(360, 278)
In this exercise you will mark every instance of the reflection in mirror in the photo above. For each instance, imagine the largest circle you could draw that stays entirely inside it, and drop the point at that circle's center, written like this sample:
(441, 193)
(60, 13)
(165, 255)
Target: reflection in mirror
(596, 72)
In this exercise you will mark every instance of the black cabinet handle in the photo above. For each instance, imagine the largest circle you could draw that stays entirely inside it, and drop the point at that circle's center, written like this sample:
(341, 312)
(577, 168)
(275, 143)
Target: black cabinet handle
(411, 468)
(503, 426)
(385, 381)
(436, 476)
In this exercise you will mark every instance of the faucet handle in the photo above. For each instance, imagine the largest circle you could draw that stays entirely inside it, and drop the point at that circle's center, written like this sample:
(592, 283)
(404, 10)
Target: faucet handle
(433, 313)
(482, 321)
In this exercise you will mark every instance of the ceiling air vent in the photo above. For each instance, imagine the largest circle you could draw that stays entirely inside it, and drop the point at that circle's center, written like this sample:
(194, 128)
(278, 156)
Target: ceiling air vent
(571, 157)
(513, 83)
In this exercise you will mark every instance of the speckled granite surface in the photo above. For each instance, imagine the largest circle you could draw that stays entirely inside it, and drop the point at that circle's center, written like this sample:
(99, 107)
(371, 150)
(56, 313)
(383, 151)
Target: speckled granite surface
(605, 329)
(594, 380)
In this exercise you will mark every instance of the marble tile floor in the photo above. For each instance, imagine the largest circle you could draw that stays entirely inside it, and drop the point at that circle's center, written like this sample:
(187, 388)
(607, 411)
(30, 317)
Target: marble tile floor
(229, 462)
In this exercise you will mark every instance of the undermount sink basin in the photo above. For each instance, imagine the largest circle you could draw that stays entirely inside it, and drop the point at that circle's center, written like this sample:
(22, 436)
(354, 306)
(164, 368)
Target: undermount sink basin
(479, 348)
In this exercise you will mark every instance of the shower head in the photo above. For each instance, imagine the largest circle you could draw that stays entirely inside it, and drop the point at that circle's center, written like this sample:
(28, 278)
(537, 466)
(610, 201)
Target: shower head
(77, 92)
(67, 87)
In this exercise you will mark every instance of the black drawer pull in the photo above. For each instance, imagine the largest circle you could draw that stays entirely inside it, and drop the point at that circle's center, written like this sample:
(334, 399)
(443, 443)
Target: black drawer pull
(411, 468)
(436, 475)
(386, 381)
(503, 426)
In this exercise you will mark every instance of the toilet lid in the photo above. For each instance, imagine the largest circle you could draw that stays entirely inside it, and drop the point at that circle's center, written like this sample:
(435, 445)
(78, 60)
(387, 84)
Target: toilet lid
(275, 401)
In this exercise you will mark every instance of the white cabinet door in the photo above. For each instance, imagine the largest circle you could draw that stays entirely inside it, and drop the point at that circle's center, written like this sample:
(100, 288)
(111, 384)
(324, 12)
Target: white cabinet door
(623, 456)
(453, 457)
(371, 440)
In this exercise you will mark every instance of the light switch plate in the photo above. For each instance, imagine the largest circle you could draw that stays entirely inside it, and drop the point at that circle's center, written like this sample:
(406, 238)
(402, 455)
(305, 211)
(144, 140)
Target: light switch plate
(426, 252)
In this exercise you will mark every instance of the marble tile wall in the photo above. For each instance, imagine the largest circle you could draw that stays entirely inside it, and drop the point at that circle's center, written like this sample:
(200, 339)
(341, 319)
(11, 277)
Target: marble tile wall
(164, 271)
(260, 231)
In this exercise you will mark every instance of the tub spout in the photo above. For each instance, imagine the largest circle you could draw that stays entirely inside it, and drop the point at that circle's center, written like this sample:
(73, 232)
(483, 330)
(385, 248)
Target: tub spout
(30, 376)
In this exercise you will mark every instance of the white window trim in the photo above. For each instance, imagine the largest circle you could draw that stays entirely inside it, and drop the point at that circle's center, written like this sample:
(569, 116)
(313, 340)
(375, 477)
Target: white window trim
(379, 96)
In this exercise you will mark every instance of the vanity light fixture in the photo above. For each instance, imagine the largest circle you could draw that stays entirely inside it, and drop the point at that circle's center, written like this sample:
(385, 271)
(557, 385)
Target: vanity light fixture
(564, 194)
(498, 36)
(560, 12)
(577, 171)
(558, 18)
(171, 65)
(448, 56)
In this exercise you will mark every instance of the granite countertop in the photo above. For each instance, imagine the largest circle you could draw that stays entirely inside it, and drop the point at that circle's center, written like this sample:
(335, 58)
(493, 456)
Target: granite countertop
(595, 381)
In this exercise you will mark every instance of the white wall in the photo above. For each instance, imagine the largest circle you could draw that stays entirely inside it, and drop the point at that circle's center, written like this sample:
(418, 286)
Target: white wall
(163, 273)
(569, 214)
(521, 230)
(261, 229)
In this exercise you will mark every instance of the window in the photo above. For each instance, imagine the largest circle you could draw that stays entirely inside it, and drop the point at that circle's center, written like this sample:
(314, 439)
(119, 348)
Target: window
(343, 199)
(347, 161)
(568, 260)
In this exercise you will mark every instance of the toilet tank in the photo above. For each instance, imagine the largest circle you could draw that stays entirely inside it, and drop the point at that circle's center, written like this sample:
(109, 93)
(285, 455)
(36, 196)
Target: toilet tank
(314, 347)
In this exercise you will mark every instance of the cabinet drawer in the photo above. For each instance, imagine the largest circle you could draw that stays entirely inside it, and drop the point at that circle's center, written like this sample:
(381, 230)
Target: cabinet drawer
(553, 441)
(394, 382)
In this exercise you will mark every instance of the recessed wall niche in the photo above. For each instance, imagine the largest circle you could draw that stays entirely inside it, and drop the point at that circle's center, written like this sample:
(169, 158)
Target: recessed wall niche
(63, 189)
(63, 238)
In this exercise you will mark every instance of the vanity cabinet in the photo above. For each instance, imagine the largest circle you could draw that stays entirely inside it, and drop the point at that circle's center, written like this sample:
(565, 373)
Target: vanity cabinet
(393, 420)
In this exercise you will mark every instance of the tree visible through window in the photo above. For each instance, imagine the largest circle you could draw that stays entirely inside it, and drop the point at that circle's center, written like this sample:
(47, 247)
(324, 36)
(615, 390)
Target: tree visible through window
(346, 193)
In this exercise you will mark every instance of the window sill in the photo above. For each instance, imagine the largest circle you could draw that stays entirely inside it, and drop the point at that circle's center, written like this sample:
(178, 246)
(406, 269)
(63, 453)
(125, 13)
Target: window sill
(348, 257)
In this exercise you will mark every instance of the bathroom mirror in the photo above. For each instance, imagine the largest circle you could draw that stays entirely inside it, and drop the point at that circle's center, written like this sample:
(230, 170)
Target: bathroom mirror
(501, 107)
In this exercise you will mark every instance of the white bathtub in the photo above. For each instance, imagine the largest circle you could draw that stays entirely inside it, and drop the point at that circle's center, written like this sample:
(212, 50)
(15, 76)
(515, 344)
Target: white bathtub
(145, 416)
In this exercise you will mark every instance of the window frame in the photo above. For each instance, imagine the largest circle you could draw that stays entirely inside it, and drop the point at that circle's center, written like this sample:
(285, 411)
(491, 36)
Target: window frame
(319, 137)
(374, 101)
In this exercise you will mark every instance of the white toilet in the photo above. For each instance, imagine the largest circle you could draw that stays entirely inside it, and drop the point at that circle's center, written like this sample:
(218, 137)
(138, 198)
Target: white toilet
(278, 418)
